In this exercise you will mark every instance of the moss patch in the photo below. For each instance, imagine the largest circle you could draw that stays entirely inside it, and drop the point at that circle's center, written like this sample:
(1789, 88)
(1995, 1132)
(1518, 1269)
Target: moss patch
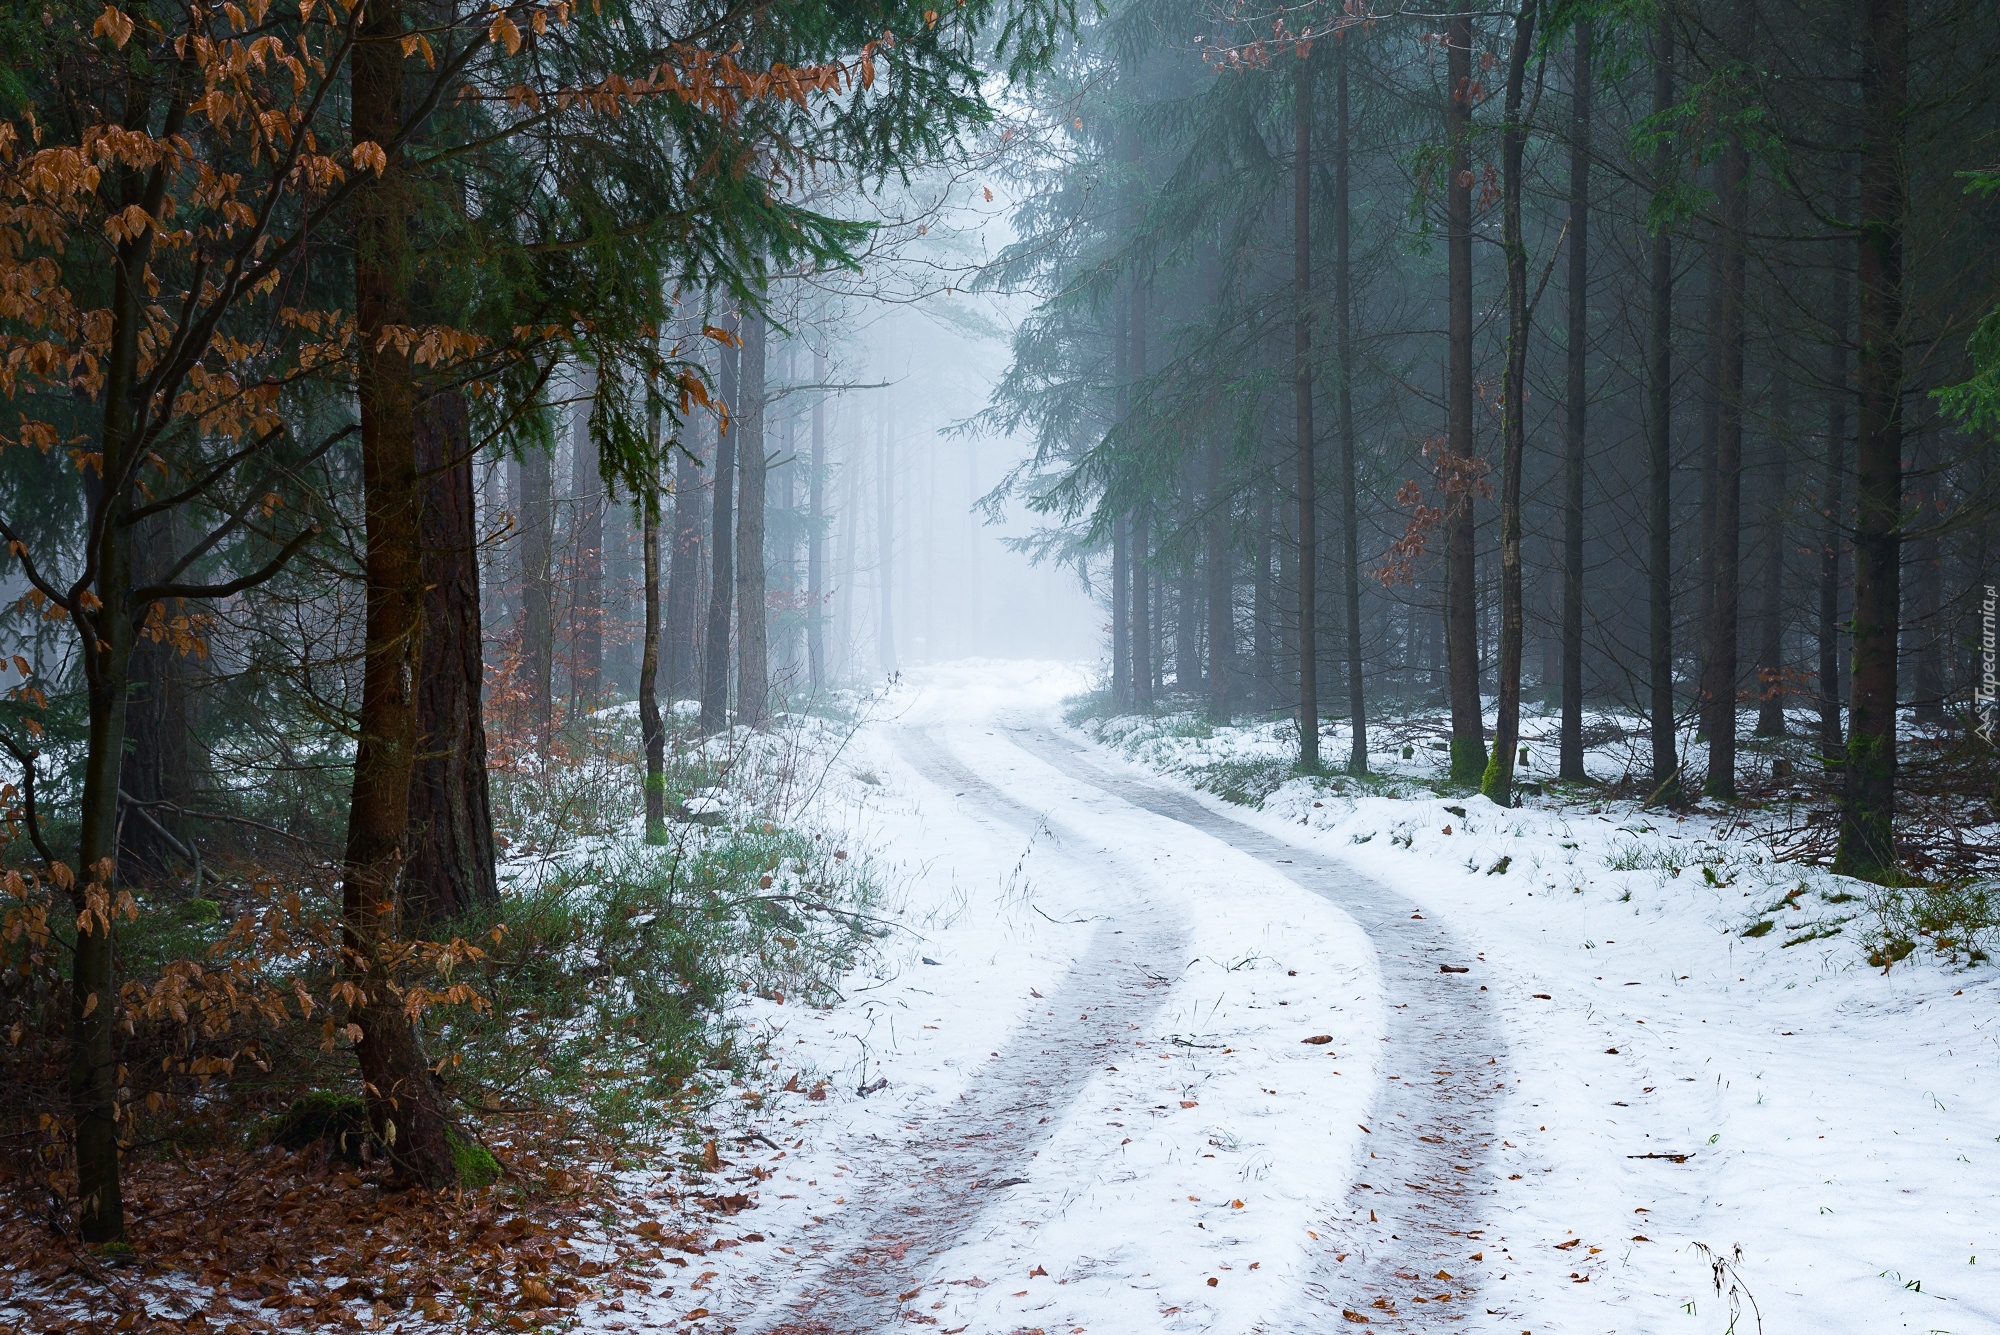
(476, 1165)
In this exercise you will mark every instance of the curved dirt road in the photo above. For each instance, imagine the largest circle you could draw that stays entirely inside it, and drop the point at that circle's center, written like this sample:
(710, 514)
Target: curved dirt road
(1392, 1249)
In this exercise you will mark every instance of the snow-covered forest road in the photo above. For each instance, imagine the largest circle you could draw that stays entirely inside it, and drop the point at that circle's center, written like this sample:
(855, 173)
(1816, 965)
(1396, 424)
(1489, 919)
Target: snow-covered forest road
(1140, 1060)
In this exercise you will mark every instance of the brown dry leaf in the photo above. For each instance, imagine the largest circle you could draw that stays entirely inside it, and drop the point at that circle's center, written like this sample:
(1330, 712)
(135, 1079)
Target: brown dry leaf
(1565, 1246)
(1354, 1316)
(1318, 1040)
(1038, 1272)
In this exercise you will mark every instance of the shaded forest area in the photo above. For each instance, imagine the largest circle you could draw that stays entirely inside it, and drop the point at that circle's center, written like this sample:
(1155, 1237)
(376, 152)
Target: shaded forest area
(394, 386)
(1633, 365)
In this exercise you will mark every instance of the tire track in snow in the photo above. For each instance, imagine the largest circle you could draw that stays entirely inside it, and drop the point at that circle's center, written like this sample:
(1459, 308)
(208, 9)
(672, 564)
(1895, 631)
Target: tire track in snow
(926, 1194)
(1416, 1197)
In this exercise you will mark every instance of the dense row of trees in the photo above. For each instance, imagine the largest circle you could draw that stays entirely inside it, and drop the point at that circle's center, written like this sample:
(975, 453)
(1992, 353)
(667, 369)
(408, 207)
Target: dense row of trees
(274, 280)
(1419, 358)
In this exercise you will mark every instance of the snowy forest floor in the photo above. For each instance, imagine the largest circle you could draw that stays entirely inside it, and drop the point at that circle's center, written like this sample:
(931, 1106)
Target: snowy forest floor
(1143, 1033)
(1121, 1068)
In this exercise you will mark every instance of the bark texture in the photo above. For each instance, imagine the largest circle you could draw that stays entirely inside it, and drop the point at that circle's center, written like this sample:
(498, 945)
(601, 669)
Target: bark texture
(753, 660)
(1868, 807)
(1666, 778)
(451, 862)
(1302, 384)
(405, 1108)
(1350, 482)
(1461, 574)
(721, 548)
(1569, 758)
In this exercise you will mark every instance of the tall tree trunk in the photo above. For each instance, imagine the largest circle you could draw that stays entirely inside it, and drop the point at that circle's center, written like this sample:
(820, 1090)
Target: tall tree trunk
(652, 727)
(1771, 609)
(1221, 591)
(587, 493)
(451, 821)
(537, 521)
(850, 528)
(1461, 573)
(1302, 377)
(159, 751)
(885, 541)
(1569, 760)
(1264, 610)
(683, 578)
(1867, 817)
(1142, 611)
(1666, 780)
(1121, 537)
(753, 659)
(1141, 555)
(405, 1107)
(1350, 484)
(721, 531)
(1722, 664)
(105, 653)
(1187, 627)
(1833, 530)
(1498, 781)
(816, 536)
(1926, 586)
(1121, 611)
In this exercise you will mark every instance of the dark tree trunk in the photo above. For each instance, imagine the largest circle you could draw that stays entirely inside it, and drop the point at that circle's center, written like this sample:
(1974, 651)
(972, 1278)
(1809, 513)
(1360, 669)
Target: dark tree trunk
(1722, 662)
(1461, 574)
(816, 536)
(1498, 781)
(537, 611)
(1711, 418)
(587, 493)
(1867, 818)
(1308, 486)
(405, 1107)
(1570, 747)
(652, 728)
(1350, 483)
(885, 542)
(451, 823)
(1666, 779)
(1189, 601)
(753, 659)
(1121, 537)
(1221, 593)
(1833, 531)
(1142, 617)
(1263, 637)
(1121, 599)
(721, 557)
(1140, 554)
(1771, 611)
(105, 652)
(683, 579)
(1926, 589)
(160, 757)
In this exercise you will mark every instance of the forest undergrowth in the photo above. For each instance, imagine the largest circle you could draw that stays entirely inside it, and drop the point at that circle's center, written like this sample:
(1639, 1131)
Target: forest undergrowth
(1944, 901)
(581, 1028)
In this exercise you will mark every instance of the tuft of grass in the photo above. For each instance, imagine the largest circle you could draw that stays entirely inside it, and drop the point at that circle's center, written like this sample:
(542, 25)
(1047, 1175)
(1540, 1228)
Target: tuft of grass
(1957, 917)
(610, 980)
